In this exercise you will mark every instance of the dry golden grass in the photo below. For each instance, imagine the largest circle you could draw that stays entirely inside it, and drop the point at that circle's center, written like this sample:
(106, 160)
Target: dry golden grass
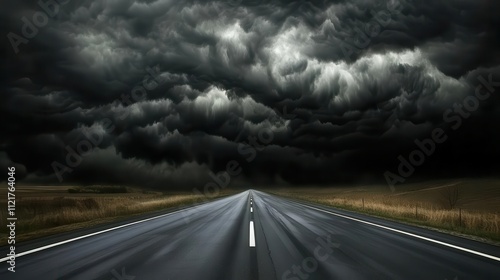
(43, 210)
(476, 212)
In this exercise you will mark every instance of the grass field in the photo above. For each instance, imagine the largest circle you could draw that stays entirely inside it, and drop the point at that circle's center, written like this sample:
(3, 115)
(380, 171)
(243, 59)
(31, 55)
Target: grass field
(45, 210)
(465, 207)
(475, 211)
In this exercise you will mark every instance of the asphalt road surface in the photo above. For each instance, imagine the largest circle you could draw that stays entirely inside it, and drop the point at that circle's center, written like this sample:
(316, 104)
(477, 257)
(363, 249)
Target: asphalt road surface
(254, 235)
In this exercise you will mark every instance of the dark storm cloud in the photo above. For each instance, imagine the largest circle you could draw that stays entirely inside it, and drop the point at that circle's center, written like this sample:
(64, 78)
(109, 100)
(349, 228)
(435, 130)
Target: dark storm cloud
(175, 89)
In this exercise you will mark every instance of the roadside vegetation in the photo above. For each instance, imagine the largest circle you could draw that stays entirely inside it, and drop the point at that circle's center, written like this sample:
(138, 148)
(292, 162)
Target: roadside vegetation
(44, 211)
(470, 208)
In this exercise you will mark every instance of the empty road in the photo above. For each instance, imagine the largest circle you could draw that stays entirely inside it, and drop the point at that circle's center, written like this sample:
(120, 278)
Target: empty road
(254, 235)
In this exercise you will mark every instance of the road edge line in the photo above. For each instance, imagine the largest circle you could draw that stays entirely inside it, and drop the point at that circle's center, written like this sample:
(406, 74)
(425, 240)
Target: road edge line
(409, 234)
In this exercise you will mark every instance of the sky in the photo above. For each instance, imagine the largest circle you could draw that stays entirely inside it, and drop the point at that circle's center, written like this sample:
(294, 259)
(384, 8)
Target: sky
(177, 94)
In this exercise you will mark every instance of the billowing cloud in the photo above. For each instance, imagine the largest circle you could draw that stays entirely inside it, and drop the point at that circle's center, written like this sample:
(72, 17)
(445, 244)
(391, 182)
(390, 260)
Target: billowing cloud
(161, 93)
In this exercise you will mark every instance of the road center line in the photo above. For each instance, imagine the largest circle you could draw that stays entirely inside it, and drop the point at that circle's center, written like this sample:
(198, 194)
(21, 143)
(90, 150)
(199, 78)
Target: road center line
(410, 234)
(251, 209)
(252, 235)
